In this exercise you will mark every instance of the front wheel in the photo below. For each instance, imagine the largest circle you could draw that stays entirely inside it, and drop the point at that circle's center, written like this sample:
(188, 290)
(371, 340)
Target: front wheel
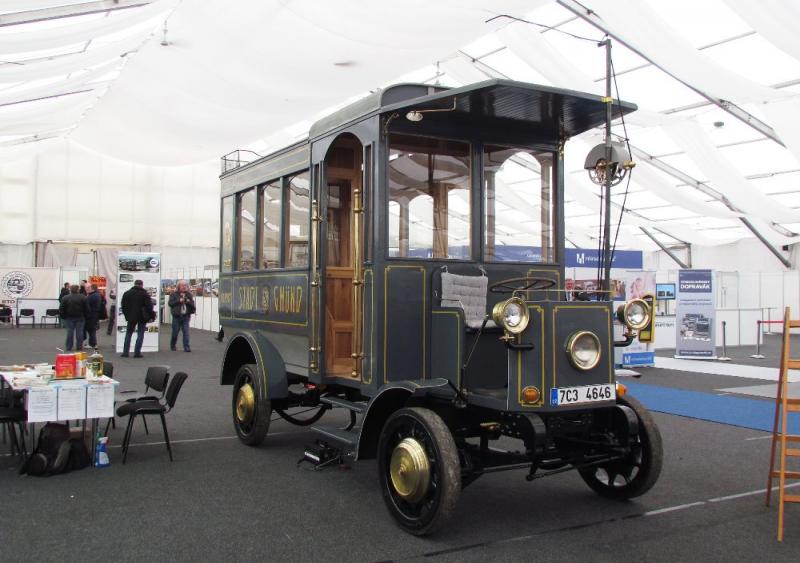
(251, 414)
(418, 470)
(639, 470)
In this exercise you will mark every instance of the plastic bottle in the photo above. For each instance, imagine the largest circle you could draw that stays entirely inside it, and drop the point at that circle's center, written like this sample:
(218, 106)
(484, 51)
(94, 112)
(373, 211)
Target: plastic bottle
(101, 452)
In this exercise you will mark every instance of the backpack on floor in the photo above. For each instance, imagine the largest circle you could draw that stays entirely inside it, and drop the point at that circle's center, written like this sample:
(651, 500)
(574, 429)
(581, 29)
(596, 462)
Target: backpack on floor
(55, 453)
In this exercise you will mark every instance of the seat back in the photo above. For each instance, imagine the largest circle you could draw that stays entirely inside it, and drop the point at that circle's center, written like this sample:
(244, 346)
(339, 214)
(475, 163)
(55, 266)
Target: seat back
(468, 293)
(26, 312)
(156, 378)
(51, 313)
(175, 388)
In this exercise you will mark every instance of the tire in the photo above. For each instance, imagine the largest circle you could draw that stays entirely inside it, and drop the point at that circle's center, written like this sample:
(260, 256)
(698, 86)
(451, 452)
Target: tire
(636, 473)
(251, 420)
(435, 494)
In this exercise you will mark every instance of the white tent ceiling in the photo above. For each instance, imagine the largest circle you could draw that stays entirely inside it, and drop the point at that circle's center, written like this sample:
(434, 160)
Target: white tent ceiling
(140, 85)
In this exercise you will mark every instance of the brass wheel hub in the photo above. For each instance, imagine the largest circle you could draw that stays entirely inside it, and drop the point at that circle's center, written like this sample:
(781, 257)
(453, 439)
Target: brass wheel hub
(410, 470)
(245, 403)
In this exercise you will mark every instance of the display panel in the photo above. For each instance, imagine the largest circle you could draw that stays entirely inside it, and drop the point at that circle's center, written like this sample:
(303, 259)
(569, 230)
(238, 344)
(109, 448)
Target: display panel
(665, 291)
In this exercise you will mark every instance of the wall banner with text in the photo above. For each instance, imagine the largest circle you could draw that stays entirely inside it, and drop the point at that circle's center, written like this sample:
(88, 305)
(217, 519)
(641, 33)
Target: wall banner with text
(695, 315)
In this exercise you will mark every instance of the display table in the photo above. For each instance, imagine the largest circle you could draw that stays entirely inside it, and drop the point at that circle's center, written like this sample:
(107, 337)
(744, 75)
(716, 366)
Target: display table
(62, 399)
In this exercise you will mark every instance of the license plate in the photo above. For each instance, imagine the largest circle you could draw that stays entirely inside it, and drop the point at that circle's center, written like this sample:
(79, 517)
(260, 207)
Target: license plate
(584, 394)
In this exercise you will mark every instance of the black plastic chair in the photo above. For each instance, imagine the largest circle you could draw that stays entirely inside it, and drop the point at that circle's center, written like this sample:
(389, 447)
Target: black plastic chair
(12, 413)
(150, 406)
(156, 379)
(6, 316)
(48, 315)
(29, 314)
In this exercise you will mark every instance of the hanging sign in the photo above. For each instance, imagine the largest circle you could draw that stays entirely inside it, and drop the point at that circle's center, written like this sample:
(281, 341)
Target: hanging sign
(695, 314)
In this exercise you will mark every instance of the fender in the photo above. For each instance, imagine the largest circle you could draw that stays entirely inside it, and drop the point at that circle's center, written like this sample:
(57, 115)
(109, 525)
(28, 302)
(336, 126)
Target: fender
(391, 398)
(252, 347)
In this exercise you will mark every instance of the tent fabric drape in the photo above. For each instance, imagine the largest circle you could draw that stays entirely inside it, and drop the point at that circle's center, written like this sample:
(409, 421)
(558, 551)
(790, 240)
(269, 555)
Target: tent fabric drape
(775, 20)
(695, 143)
(641, 27)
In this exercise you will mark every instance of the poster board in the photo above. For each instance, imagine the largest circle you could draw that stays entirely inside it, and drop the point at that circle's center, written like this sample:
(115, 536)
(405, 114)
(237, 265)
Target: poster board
(695, 315)
(145, 266)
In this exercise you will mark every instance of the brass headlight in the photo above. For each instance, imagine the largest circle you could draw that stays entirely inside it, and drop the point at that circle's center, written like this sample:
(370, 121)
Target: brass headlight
(635, 314)
(583, 350)
(511, 314)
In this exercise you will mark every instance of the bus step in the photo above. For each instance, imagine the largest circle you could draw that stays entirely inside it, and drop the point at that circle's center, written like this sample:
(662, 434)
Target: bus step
(345, 439)
(344, 404)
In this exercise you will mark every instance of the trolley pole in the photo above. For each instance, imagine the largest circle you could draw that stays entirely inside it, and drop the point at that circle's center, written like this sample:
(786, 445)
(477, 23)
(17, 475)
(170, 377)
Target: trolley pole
(607, 187)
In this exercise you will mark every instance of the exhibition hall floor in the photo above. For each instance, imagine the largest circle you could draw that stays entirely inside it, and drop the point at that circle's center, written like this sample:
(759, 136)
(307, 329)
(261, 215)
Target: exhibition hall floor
(221, 500)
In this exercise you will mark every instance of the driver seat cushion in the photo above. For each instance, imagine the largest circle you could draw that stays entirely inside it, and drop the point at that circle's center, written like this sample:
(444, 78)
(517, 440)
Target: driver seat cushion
(468, 293)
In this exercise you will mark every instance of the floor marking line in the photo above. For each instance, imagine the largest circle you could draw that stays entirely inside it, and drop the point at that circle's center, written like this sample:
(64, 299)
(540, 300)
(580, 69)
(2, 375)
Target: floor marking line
(750, 493)
(673, 508)
(758, 438)
(190, 440)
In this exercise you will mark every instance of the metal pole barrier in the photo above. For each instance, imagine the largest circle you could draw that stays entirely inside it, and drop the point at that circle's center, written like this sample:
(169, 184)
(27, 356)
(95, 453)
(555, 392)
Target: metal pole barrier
(724, 357)
(758, 355)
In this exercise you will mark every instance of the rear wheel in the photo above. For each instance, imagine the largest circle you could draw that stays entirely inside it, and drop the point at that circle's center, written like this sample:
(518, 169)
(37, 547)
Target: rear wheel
(251, 414)
(418, 470)
(639, 470)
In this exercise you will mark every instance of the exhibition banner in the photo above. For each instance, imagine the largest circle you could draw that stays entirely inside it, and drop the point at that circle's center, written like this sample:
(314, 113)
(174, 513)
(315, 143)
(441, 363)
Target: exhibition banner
(28, 283)
(145, 266)
(695, 314)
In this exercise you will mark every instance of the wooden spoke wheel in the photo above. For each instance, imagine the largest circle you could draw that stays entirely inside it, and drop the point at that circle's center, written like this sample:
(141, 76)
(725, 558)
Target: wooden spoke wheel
(418, 470)
(251, 414)
(638, 471)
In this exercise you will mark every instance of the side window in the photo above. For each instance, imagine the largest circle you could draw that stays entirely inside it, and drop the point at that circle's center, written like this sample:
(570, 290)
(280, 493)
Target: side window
(271, 228)
(299, 204)
(227, 234)
(429, 205)
(247, 230)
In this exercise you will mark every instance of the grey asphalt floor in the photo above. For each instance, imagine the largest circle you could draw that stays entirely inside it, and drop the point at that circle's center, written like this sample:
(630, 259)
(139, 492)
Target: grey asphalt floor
(223, 501)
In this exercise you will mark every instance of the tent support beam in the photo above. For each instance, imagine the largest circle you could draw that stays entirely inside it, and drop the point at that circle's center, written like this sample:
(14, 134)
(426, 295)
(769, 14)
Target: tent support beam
(69, 11)
(766, 243)
(664, 248)
(592, 18)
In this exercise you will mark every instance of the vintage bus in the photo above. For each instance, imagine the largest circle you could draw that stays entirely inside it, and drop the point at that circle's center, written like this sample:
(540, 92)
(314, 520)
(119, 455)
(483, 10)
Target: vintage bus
(405, 262)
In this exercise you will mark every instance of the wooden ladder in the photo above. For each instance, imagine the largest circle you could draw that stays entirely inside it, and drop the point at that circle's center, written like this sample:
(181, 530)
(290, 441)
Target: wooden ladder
(783, 406)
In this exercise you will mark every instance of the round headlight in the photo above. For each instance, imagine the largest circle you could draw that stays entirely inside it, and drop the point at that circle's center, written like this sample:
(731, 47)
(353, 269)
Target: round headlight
(583, 349)
(635, 314)
(511, 314)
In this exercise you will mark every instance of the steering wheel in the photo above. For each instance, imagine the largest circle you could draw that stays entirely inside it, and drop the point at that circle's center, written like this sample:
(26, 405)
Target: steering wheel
(521, 284)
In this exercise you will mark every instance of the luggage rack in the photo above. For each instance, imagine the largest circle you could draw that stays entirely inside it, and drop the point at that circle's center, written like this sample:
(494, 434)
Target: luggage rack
(238, 158)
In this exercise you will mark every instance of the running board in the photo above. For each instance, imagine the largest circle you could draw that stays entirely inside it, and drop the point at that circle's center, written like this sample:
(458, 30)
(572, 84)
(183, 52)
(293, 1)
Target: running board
(346, 440)
(344, 404)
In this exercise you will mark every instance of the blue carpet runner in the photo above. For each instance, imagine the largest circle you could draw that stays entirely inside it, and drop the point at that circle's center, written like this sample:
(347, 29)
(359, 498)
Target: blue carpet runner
(735, 411)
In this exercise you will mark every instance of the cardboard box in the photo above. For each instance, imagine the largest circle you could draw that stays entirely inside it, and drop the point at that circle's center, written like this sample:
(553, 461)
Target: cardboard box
(70, 366)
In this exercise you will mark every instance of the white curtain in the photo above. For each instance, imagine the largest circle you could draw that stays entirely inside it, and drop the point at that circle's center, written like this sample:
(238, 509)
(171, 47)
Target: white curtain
(59, 255)
(775, 20)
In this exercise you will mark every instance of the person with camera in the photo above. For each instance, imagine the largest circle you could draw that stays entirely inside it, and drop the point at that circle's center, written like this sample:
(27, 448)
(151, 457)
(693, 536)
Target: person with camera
(181, 305)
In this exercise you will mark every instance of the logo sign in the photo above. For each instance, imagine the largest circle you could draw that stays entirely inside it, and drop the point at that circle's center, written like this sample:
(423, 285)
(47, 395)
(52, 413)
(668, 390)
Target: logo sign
(16, 284)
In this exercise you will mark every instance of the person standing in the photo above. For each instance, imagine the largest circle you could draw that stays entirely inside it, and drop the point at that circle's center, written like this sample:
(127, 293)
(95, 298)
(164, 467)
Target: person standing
(181, 304)
(138, 310)
(64, 292)
(82, 289)
(95, 302)
(73, 310)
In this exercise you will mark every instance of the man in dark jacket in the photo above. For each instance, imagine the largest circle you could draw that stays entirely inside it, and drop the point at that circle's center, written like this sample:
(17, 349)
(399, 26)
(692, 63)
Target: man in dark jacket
(181, 304)
(138, 310)
(73, 311)
(95, 302)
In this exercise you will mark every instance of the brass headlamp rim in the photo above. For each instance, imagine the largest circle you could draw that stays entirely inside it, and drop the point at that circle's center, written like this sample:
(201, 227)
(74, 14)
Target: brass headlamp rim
(622, 314)
(570, 349)
(498, 317)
